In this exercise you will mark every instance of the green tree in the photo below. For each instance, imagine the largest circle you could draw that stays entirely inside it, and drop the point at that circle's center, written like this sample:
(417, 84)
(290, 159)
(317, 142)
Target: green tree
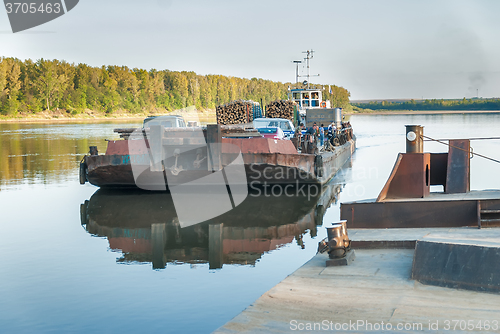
(49, 83)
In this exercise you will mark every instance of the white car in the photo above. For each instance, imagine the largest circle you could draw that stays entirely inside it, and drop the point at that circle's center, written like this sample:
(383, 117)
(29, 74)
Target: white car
(168, 121)
(284, 124)
(273, 133)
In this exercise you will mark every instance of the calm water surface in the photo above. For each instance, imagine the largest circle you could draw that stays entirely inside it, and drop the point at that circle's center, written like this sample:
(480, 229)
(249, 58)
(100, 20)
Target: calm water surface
(77, 259)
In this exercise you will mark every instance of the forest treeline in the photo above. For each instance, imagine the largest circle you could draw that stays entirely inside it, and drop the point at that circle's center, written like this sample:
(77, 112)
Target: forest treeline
(463, 104)
(28, 87)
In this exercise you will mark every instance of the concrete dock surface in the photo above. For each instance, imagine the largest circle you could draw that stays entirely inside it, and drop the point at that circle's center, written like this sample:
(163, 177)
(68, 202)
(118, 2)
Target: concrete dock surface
(375, 293)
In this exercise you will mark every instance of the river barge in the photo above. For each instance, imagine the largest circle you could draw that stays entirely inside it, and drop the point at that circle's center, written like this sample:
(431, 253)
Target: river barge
(165, 153)
(159, 157)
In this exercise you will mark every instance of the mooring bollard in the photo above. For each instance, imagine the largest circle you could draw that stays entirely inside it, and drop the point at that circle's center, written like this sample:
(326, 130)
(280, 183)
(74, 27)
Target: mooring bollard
(339, 245)
(338, 241)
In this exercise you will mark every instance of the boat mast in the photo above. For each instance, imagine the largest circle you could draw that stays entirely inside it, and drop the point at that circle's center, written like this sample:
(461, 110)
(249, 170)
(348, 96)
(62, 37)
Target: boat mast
(297, 62)
(310, 55)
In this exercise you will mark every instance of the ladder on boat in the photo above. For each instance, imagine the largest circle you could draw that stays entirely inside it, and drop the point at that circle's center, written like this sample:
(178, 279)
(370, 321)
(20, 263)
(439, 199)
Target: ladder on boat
(486, 216)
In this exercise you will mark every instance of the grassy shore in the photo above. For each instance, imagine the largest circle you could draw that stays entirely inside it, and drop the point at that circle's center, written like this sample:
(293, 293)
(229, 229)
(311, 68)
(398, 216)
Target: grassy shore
(92, 116)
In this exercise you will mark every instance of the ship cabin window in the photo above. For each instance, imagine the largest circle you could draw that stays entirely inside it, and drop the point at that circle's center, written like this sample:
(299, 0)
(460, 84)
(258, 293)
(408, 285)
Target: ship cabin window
(296, 96)
(306, 103)
(305, 96)
(315, 102)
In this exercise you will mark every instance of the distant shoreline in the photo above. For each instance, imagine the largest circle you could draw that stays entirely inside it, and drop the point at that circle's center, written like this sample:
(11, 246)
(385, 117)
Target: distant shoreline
(208, 116)
(69, 119)
(421, 112)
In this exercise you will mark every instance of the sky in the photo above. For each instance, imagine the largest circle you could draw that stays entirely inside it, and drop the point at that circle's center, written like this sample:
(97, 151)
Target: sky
(375, 49)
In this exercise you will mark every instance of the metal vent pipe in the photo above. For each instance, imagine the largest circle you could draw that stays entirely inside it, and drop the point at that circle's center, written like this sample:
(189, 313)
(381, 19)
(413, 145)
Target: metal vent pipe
(414, 139)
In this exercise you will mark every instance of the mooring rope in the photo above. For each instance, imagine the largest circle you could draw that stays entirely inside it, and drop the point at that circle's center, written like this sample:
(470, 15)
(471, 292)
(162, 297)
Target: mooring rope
(483, 138)
(471, 152)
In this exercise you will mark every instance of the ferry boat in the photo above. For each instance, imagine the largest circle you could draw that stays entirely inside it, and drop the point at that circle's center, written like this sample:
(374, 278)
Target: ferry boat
(157, 157)
(190, 155)
(309, 101)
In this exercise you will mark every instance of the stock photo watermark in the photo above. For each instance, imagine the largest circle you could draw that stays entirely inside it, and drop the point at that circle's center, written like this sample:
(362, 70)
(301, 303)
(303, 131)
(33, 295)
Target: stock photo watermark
(201, 170)
(365, 325)
(279, 181)
(25, 15)
(188, 164)
(204, 171)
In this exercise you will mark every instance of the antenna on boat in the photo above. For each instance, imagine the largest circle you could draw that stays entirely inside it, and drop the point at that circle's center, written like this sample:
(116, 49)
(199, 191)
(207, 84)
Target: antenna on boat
(310, 55)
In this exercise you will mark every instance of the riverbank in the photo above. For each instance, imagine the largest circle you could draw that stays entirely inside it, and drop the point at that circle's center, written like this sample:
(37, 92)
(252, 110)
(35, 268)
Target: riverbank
(207, 116)
(92, 116)
(419, 112)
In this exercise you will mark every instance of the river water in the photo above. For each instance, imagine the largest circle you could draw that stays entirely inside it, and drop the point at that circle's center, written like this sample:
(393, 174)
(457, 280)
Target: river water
(77, 259)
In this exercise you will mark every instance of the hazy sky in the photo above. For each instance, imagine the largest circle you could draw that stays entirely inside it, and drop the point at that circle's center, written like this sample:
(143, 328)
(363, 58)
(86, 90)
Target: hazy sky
(375, 49)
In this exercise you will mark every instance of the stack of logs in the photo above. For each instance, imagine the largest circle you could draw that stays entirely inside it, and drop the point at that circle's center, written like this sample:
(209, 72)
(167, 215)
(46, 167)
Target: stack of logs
(280, 109)
(234, 112)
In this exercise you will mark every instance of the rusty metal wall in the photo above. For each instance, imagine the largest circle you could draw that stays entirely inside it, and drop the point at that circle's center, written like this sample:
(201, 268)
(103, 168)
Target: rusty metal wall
(410, 214)
(410, 177)
(458, 175)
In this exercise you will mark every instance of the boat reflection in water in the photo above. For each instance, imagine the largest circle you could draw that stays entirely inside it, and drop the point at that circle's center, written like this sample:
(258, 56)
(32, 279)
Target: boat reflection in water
(144, 226)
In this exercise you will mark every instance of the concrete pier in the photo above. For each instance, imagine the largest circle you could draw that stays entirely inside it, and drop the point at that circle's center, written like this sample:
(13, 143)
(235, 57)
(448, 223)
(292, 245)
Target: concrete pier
(375, 293)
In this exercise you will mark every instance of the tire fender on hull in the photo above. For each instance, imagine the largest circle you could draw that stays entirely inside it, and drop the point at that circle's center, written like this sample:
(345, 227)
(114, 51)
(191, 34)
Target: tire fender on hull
(83, 172)
(318, 166)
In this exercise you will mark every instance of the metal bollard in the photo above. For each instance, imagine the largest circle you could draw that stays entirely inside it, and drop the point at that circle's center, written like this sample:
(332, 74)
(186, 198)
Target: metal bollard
(338, 241)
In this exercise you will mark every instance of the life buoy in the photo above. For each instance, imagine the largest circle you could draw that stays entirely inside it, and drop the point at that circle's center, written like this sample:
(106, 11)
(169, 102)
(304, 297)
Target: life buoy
(322, 104)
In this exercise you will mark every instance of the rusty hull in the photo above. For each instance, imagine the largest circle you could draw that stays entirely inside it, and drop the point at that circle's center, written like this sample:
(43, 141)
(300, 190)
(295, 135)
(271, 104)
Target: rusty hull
(436, 211)
(109, 170)
(261, 168)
